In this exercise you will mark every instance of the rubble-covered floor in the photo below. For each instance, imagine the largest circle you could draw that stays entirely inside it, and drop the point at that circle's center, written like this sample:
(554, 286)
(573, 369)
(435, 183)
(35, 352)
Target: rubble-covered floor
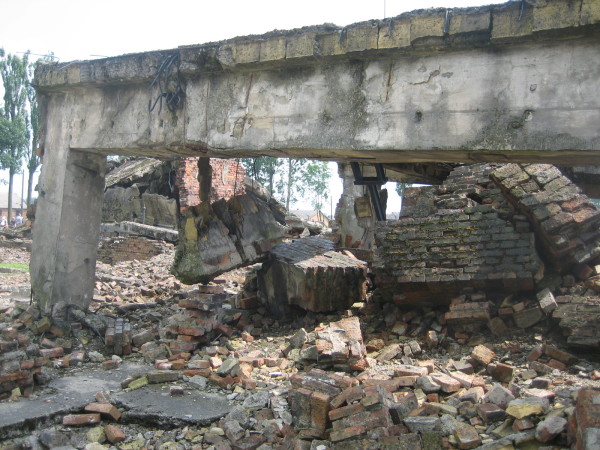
(420, 385)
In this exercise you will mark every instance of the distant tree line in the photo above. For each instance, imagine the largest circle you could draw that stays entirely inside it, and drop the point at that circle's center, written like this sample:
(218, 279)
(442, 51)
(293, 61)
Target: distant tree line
(19, 120)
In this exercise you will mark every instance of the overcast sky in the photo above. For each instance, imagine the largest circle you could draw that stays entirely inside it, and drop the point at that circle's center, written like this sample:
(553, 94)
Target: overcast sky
(83, 29)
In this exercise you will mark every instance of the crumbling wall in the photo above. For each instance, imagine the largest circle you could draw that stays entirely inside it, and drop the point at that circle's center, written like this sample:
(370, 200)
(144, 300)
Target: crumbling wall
(141, 190)
(127, 248)
(565, 220)
(227, 179)
(461, 234)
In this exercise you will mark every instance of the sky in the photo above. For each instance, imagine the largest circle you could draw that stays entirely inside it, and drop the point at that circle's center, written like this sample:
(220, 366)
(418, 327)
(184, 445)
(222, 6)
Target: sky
(84, 29)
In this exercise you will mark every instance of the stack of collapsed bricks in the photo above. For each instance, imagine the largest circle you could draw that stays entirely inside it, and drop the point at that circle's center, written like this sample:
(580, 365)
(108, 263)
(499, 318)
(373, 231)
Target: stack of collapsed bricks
(565, 219)
(19, 360)
(227, 180)
(128, 248)
(200, 326)
(16, 368)
(118, 337)
(334, 406)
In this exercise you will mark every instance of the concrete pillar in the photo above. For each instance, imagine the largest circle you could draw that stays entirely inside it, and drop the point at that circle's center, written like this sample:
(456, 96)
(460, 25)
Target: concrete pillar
(67, 228)
(356, 223)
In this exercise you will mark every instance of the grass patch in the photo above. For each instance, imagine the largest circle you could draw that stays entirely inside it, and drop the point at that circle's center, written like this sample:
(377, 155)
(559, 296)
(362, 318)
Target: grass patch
(14, 265)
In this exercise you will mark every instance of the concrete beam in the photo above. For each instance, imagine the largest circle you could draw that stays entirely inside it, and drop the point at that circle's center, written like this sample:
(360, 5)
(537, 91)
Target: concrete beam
(511, 82)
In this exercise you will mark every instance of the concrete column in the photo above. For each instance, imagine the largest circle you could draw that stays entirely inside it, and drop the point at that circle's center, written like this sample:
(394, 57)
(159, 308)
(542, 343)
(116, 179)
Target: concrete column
(67, 229)
(355, 231)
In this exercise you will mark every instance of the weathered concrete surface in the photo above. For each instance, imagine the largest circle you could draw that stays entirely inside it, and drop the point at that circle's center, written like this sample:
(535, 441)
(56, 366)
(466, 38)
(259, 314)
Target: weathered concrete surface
(148, 404)
(434, 85)
(67, 226)
(512, 82)
(66, 394)
(152, 404)
(221, 236)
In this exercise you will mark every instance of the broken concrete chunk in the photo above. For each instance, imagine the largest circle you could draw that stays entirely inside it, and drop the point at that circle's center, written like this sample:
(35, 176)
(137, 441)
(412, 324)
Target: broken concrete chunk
(546, 301)
(528, 406)
(224, 235)
(307, 273)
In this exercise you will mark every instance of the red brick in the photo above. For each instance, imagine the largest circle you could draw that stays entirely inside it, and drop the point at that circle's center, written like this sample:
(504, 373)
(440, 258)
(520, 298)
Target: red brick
(345, 411)
(319, 409)
(482, 355)
(535, 353)
(110, 364)
(340, 435)
(106, 410)
(81, 419)
(348, 395)
(114, 434)
(56, 352)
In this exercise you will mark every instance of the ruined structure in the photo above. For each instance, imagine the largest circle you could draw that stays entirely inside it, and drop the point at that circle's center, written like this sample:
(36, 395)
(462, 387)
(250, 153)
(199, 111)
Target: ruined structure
(515, 82)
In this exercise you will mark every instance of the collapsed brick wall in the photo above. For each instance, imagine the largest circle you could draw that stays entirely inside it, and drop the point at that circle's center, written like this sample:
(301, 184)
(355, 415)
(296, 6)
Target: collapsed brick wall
(460, 234)
(565, 220)
(227, 180)
(127, 248)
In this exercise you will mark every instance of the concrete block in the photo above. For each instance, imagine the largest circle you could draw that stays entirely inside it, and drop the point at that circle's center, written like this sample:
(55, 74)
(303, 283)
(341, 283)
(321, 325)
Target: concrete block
(509, 21)
(330, 44)
(273, 48)
(300, 46)
(470, 21)
(362, 36)
(395, 33)
(245, 52)
(590, 12)
(427, 24)
(550, 15)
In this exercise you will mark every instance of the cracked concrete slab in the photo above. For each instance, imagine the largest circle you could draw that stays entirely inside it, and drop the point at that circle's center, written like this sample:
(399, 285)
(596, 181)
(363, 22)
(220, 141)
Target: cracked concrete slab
(153, 404)
(70, 394)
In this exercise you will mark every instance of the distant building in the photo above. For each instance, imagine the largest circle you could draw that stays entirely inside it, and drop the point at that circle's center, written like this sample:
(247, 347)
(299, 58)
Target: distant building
(16, 205)
(311, 216)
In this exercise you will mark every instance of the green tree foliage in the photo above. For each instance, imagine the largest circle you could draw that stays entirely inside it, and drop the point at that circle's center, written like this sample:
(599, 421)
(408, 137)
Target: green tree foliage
(13, 70)
(32, 159)
(400, 188)
(291, 179)
(263, 170)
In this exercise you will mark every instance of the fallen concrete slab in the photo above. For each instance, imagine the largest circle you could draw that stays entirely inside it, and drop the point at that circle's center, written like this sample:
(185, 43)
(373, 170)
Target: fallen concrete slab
(64, 395)
(221, 236)
(153, 404)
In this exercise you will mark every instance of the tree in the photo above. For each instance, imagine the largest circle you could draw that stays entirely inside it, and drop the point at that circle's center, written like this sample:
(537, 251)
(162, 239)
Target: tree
(32, 160)
(14, 78)
(316, 177)
(263, 169)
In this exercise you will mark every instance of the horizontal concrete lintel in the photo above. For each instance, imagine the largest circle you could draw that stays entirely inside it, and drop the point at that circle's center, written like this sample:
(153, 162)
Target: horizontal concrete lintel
(417, 32)
(459, 156)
